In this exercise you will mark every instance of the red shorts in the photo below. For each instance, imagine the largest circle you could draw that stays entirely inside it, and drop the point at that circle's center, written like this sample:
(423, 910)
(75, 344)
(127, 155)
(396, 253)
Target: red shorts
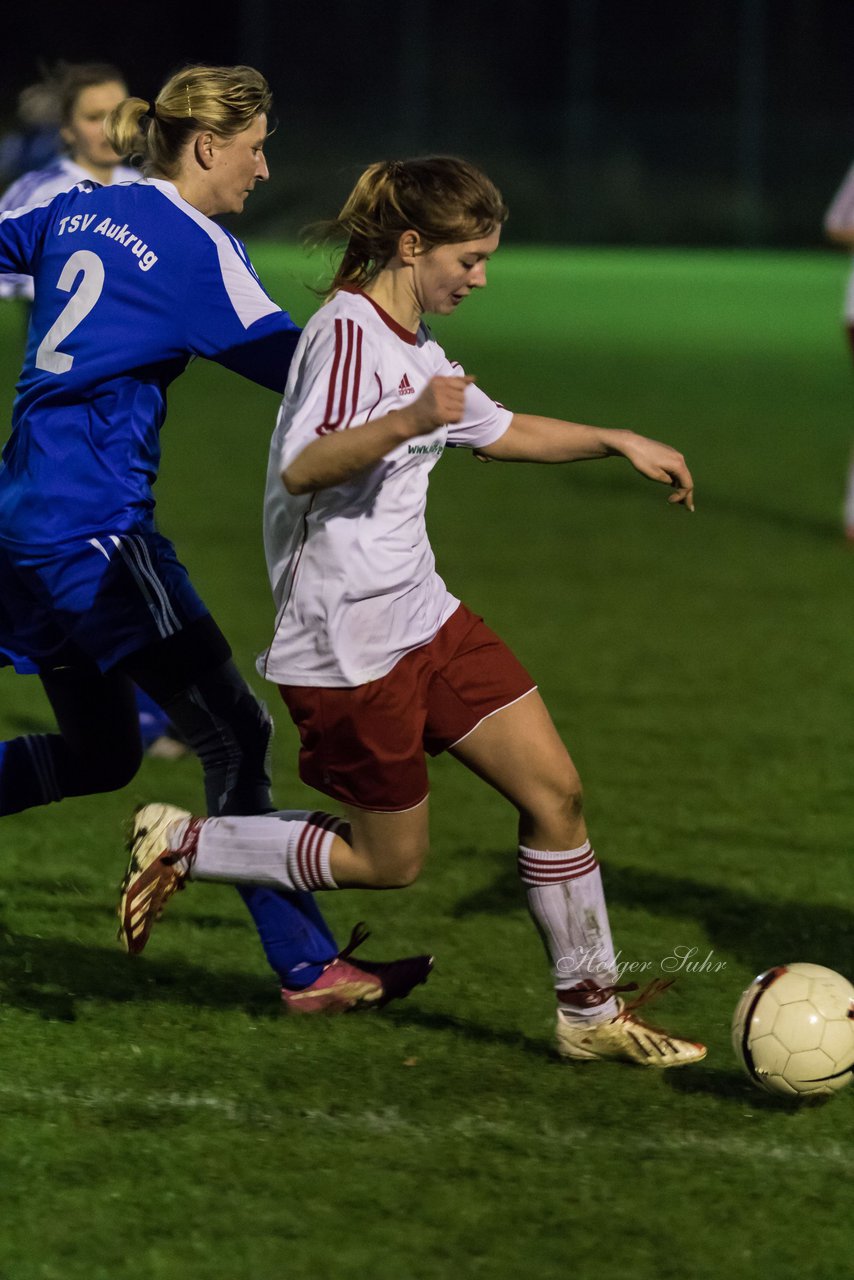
(365, 746)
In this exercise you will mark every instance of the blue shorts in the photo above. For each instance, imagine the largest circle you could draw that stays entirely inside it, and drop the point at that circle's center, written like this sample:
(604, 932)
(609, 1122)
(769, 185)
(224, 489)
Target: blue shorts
(98, 598)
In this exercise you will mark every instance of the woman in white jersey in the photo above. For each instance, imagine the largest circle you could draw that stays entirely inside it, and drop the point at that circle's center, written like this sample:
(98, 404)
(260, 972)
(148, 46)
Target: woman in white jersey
(839, 228)
(377, 662)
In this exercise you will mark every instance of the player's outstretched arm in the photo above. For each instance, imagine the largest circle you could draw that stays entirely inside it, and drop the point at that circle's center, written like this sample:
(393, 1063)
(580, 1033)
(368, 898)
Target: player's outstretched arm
(337, 457)
(530, 438)
(659, 462)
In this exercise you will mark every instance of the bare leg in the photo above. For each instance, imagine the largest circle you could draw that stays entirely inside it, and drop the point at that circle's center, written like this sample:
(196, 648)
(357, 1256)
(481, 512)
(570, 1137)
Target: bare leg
(387, 850)
(518, 752)
(849, 499)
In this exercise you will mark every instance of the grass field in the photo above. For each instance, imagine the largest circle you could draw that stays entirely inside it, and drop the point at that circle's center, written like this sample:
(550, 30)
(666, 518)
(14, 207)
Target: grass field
(160, 1120)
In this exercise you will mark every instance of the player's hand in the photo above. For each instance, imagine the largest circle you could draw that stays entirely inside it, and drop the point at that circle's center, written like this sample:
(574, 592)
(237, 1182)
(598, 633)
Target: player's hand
(441, 403)
(659, 462)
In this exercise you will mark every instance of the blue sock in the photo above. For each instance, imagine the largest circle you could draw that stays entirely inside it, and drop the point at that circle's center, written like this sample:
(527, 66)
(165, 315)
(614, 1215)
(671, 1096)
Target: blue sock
(296, 939)
(153, 720)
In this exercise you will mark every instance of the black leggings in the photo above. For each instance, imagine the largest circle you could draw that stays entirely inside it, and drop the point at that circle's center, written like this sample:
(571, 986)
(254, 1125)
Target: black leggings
(98, 747)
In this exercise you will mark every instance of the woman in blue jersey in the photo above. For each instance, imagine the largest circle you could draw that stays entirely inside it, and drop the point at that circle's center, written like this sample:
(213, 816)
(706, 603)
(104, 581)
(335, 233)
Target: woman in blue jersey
(131, 281)
(86, 93)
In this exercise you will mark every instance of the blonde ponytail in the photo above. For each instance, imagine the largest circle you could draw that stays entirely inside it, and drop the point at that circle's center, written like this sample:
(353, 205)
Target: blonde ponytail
(223, 100)
(123, 129)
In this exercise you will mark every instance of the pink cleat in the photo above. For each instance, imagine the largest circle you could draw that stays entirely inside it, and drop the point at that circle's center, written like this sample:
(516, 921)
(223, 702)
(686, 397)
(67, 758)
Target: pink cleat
(367, 985)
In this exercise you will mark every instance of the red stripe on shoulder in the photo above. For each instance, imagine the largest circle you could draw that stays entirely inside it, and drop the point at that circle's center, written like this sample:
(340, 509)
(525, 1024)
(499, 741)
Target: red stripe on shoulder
(357, 376)
(342, 398)
(330, 398)
(345, 376)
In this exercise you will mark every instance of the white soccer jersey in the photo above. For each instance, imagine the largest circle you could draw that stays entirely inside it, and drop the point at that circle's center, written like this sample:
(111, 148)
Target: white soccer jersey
(352, 571)
(43, 184)
(840, 217)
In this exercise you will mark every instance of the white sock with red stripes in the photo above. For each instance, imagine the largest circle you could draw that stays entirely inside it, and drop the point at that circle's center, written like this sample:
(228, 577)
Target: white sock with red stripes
(567, 903)
(285, 850)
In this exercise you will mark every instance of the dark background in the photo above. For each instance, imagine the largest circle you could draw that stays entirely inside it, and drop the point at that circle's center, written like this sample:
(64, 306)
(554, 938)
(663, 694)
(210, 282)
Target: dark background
(604, 121)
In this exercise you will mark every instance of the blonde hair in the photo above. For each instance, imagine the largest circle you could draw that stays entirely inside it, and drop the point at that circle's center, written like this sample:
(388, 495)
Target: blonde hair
(445, 199)
(224, 100)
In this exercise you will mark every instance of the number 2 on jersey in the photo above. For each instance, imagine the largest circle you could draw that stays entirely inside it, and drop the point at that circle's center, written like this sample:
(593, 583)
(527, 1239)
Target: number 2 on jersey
(48, 356)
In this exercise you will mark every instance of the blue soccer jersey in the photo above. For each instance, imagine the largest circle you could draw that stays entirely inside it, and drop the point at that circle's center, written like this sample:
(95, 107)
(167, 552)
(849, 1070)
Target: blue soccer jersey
(130, 282)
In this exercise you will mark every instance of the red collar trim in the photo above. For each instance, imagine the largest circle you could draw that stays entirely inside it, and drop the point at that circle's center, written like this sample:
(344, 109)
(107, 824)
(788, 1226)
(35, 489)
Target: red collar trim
(403, 334)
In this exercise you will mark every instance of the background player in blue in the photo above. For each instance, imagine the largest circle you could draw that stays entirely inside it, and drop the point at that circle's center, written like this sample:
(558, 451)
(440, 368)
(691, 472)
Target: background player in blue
(33, 140)
(132, 280)
(86, 93)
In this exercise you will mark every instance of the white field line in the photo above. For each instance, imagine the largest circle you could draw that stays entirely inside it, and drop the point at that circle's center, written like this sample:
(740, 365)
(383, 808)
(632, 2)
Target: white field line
(389, 1122)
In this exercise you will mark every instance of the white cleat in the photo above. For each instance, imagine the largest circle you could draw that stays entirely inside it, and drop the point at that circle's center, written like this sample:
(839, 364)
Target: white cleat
(626, 1038)
(152, 875)
(167, 748)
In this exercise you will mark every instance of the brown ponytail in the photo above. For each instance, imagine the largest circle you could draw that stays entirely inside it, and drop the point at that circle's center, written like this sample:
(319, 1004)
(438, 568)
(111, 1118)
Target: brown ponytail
(444, 199)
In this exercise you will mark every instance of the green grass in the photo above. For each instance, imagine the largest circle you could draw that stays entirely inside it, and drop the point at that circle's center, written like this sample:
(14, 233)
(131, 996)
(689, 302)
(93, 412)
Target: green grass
(160, 1120)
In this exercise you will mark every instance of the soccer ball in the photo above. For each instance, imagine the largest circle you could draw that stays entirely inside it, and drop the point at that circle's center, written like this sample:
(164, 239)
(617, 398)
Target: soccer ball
(793, 1030)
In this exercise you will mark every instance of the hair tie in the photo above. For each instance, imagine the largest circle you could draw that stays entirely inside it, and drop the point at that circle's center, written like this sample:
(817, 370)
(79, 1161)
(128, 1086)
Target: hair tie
(151, 111)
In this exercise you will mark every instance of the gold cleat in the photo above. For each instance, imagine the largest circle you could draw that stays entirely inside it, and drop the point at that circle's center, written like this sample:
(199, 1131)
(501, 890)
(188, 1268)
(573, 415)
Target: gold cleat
(152, 876)
(626, 1037)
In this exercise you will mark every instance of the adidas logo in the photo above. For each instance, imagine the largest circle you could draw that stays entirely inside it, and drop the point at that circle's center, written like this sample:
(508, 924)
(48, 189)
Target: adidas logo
(405, 387)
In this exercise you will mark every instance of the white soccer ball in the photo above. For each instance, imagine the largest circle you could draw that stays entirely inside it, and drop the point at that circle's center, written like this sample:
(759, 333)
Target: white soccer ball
(793, 1030)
